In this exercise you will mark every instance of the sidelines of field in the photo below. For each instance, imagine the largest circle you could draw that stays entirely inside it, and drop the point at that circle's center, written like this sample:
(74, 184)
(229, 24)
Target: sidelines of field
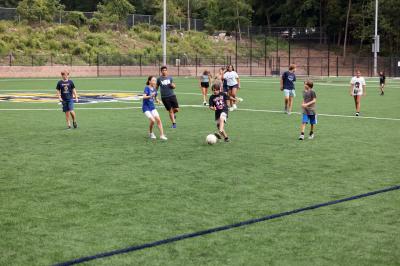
(222, 228)
(201, 106)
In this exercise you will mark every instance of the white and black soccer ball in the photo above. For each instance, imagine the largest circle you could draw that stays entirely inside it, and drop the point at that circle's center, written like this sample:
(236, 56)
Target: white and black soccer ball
(211, 139)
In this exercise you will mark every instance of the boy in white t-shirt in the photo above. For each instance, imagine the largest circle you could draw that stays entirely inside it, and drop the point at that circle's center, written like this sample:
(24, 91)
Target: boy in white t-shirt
(357, 89)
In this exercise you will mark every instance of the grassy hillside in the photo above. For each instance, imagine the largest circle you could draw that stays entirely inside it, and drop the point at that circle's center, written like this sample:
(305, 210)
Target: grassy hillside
(65, 40)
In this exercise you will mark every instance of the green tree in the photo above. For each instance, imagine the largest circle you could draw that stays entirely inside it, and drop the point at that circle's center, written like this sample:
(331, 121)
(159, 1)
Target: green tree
(114, 11)
(9, 3)
(39, 10)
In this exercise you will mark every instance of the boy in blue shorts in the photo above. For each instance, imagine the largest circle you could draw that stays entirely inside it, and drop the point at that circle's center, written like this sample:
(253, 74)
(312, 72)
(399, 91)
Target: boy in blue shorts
(66, 92)
(309, 111)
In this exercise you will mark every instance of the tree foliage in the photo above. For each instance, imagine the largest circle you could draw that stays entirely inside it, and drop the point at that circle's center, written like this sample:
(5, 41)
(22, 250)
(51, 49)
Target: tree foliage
(39, 10)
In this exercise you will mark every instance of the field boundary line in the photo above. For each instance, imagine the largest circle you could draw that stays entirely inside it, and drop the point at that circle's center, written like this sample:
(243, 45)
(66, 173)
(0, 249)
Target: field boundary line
(197, 106)
(222, 228)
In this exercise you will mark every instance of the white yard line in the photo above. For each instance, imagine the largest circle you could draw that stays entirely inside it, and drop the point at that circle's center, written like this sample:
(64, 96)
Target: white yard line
(201, 106)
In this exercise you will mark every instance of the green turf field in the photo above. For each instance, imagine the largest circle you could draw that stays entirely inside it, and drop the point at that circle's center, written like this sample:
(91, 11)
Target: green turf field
(105, 186)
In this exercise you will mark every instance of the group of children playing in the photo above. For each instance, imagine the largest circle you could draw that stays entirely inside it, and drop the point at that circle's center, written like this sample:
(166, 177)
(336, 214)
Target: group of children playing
(223, 99)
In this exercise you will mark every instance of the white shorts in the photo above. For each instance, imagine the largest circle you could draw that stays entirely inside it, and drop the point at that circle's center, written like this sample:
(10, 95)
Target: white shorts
(223, 115)
(151, 114)
(357, 92)
(289, 93)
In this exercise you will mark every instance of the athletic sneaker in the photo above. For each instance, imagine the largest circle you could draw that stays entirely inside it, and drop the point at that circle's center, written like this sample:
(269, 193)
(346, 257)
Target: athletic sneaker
(231, 109)
(311, 136)
(69, 127)
(205, 103)
(227, 139)
(234, 107)
(75, 124)
(357, 114)
(152, 136)
(239, 99)
(382, 93)
(301, 137)
(218, 135)
(162, 137)
(173, 125)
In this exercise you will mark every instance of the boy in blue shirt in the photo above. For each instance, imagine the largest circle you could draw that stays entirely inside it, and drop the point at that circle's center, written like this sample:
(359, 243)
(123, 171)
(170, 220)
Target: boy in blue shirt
(287, 86)
(66, 92)
(309, 112)
(149, 108)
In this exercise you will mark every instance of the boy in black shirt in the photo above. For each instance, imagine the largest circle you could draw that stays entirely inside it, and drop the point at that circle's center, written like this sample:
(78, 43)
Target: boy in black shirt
(218, 103)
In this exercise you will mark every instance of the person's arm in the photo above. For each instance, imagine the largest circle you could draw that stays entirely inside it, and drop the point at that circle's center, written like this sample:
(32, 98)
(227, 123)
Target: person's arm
(211, 105)
(309, 103)
(351, 88)
(238, 80)
(173, 86)
(59, 95)
(75, 95)
(282, 83)
(364, 88)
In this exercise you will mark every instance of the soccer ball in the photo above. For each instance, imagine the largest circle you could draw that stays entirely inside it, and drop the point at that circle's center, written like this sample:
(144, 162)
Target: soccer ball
(211, 139)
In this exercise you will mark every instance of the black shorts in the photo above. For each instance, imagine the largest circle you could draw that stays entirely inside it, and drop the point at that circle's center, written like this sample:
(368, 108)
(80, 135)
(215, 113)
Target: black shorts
(205, 85)
(233, 87)
(170, 102)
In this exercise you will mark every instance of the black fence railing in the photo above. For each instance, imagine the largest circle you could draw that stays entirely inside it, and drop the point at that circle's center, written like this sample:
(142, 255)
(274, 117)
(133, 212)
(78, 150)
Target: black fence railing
(136, 65)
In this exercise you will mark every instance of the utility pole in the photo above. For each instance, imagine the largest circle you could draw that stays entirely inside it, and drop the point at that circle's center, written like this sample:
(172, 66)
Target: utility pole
(376, 40)
(164, 34)
(188, 14)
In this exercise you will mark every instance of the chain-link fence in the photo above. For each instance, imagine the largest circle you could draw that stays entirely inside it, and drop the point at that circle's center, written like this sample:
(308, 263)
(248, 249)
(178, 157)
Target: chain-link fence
(64, 17)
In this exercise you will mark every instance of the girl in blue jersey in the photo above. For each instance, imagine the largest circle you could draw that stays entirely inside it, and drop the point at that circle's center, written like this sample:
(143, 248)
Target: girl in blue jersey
(149, 108)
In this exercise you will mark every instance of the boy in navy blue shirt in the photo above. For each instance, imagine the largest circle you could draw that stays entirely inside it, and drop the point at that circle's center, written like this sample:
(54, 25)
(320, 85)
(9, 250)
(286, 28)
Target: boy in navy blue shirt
(287, 86)
(66, 92)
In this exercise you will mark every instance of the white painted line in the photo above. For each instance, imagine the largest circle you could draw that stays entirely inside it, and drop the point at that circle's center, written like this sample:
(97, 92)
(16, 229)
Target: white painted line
(202, 106)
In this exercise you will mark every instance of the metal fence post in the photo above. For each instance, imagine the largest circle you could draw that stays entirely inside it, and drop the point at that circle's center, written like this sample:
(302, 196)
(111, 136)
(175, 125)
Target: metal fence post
(120, 65)
(352, 64)
(236, 49)
(133, 20)
(98, 65)
(308, 66)
(290, 33)
(265, 54)
(32, 60)
(196, 65)
(51, 60)
(140, 65)
(337, 66)
(10, 59)
(251, 54)
(329, 58)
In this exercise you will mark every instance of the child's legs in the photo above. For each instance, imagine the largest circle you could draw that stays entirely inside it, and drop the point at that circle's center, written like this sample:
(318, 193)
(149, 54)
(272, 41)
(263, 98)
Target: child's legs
(302, 127)
(73, 115)
(158, 121)
(204, 93)
(233, 94)
(357, 102)
(67, 115)
(221, 125)
(290, 103)
(382, 87)
(149, 115)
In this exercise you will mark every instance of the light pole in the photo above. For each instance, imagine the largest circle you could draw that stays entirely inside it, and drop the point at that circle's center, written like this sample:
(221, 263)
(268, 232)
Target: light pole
(376, 40)
(164, 34)
(188, 11)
